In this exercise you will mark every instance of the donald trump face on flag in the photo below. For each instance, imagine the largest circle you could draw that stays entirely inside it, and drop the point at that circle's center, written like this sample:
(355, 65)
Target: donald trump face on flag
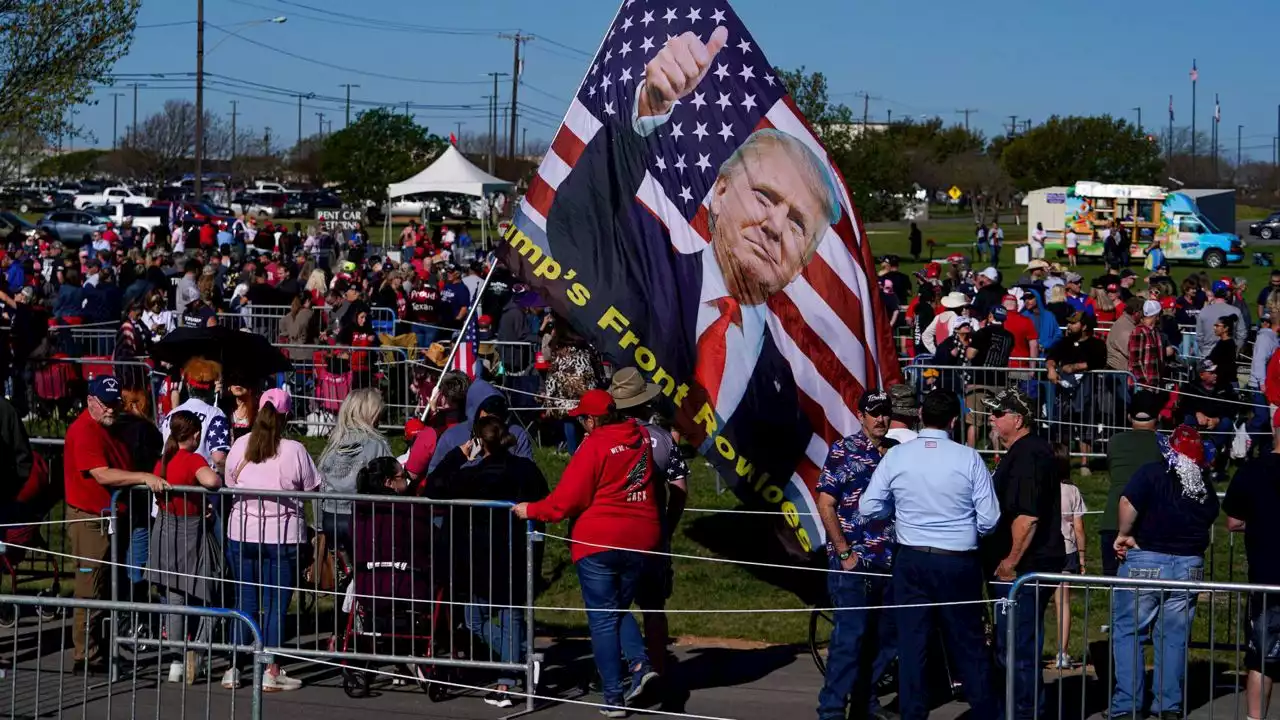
(773, 198)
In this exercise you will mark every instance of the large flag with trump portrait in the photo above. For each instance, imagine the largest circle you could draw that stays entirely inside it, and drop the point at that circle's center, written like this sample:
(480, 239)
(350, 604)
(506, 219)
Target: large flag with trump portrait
(689, 222)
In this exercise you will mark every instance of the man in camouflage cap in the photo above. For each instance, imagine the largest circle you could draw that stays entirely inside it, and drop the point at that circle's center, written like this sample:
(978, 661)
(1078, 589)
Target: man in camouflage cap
(904, 414)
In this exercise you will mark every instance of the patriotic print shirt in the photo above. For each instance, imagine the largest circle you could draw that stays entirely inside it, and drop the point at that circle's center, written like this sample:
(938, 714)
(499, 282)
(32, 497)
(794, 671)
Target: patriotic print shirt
(845, 476)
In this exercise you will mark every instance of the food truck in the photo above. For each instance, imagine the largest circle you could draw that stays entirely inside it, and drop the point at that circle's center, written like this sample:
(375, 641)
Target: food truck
(1148, 213)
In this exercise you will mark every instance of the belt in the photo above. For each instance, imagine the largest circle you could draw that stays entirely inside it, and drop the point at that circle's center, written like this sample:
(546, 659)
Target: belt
(938, 551)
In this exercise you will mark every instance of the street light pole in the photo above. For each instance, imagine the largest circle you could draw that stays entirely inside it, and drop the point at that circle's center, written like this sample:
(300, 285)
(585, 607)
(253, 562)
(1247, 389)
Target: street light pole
(115, 118)
(199, 179)
(348, 86)
(1139, 111)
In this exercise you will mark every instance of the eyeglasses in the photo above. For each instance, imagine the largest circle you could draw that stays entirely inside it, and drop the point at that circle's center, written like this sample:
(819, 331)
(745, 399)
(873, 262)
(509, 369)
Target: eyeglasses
(997, 414)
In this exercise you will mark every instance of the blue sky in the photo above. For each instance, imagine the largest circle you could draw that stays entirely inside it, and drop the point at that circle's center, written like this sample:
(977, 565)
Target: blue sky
(1029, 58)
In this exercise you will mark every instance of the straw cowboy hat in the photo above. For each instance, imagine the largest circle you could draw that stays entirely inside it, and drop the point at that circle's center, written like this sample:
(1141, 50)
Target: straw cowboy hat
(629, 389)
(955, 300)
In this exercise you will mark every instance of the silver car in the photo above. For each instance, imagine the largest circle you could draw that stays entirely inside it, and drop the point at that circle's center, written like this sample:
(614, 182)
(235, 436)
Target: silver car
(73, 227)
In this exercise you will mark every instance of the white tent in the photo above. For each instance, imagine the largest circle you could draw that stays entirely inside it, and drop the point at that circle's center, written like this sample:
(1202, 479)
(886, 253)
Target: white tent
(451, 173)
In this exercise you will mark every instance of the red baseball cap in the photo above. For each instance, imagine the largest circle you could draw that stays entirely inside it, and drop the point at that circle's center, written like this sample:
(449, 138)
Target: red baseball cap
(593, 403)
(932, 270)
(412, 428)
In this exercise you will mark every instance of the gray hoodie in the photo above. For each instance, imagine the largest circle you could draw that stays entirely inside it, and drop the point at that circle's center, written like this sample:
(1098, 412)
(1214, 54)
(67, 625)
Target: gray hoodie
(340, 465)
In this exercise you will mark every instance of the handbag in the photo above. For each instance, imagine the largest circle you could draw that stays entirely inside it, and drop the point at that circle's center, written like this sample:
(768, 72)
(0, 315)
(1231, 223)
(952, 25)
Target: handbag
(320, 575)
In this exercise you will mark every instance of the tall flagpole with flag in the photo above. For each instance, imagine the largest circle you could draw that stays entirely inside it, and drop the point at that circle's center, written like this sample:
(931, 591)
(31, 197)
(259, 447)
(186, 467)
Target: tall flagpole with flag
(1195, 77)
(1217, 120)
(1169, 151)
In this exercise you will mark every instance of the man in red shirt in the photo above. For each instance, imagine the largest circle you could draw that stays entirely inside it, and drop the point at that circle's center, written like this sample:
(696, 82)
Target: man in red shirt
(208, 236)
(95, 464)
(608, 490)
(1026, 341)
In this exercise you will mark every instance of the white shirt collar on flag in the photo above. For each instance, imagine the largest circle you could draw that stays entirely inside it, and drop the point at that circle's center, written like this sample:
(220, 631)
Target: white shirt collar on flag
(743, 343)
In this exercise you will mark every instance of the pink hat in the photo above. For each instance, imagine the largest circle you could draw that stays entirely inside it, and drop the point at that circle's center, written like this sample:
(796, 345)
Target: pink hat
(277, 397)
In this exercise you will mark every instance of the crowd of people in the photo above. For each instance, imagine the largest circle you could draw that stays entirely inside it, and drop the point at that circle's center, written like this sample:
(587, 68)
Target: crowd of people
(927, 532)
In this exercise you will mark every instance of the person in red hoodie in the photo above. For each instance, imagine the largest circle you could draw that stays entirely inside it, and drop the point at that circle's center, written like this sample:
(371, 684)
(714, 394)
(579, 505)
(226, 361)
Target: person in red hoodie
(607, 490)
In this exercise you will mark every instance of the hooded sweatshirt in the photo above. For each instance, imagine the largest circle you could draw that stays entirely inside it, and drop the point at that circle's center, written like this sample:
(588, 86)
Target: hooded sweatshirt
(607, 490)
(341, 464)
(1045, 321)
(460, 433)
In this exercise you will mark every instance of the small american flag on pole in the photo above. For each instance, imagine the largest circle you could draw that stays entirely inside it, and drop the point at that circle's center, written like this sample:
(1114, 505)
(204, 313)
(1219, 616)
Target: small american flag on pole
(464, 359)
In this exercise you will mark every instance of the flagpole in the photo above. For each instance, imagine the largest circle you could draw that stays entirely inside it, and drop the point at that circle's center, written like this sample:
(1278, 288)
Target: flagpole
(1169, 154)
(1217, 120)
(475, 306)
(1195, 77)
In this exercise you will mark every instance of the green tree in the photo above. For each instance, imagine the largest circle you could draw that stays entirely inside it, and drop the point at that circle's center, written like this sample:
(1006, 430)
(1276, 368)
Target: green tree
(52, 53)
(78, 164)
(1064, 150)
(809, 91)
(379, 148)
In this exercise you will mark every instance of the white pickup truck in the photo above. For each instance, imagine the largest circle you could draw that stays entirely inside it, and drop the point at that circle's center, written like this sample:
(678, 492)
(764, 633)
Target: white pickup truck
(140, 216)
(112, 196)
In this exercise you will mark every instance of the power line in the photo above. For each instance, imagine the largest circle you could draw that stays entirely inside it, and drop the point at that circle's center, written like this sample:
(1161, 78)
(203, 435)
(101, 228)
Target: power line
(333, 66)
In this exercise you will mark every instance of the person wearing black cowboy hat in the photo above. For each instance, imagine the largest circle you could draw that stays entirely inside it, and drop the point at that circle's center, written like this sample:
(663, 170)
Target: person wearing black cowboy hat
(634, 397)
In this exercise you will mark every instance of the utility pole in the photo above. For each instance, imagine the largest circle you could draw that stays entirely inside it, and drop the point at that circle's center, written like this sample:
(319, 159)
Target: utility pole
(234, 113)
(133, 129)
(504, 128)
(299, 118)
(516, 40)
(866, 109)
(524, 142)
(966, 112)
(406, 108)
(1028, 125)
(1013, 125)
(231, 165)
(199, 180)
(1239, 136)
(493, 123)
(890, 116)
(266, 142)
(321, 116)
(348, 86)
(459, 135)
(1139, 111)
(115, 118)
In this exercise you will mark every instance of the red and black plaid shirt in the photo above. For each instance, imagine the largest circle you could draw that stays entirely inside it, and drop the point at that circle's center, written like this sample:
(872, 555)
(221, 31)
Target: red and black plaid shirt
(1146, 351)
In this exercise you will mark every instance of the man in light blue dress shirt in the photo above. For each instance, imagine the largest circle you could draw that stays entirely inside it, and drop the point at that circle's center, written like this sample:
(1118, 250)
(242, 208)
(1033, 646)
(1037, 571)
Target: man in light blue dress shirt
(941, 498)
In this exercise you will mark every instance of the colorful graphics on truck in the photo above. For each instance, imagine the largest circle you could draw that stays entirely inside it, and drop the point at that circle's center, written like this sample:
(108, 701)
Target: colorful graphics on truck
(1149, 215)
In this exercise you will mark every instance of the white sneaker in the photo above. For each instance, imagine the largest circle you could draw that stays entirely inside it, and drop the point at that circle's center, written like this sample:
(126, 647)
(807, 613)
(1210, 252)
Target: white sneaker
(280, 682)
(1064, 661)
(176, 671)
(231, 679)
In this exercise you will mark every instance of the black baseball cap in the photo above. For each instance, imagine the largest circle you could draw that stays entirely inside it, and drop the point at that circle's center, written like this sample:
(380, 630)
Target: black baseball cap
(1145, 406)
(1010, 400)
(875, 402)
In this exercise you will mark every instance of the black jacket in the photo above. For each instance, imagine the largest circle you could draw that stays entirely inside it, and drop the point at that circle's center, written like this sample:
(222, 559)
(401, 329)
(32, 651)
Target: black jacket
(489, 543)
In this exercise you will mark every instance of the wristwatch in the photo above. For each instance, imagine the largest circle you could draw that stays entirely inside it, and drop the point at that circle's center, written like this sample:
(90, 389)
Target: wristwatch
(846, 554)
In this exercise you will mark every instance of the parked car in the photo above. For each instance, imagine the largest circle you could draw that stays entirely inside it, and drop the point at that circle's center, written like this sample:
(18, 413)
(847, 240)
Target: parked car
(140, 216)
(197, 212)
(250, 205)
(73, 227)
(1268, 228)
(28, 201)
(11, 223)
(112, 196)
(314, 200)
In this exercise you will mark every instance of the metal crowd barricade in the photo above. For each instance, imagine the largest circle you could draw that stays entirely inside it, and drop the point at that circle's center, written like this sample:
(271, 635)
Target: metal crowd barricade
(59, 387)
(367, 580)
(323, 376)
(1082, 413)
(1211, 642)
(34, 675)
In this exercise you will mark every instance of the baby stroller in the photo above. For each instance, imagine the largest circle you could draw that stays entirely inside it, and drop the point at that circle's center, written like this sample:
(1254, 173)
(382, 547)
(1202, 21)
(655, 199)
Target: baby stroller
(391, 605)
(34, 501)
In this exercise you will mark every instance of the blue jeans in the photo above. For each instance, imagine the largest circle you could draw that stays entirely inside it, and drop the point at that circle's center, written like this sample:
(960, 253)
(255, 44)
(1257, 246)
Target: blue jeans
(1259, 426)
(571, 435)
(139, 552)
(608, 581)
(502, 629)
(270, 571)
(425, 335)
(1133, 615)
(1028, 685)
(337, 530)
(858, 636)
(920, 579)
(981, 251)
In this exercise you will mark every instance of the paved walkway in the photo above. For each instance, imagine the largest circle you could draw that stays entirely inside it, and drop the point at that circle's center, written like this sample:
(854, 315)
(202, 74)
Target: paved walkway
(766, 683)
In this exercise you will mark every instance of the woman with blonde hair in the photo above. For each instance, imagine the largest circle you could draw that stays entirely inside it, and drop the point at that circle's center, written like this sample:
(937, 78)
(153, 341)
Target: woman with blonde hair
(354, 442)
(317, 286)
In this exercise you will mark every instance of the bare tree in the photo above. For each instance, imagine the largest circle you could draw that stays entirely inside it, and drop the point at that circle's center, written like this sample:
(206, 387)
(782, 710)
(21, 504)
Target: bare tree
(165, 143)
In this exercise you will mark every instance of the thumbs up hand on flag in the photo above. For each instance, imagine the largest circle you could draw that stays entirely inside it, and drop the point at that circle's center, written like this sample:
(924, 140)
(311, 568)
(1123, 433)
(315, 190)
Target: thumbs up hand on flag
(677, 69)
